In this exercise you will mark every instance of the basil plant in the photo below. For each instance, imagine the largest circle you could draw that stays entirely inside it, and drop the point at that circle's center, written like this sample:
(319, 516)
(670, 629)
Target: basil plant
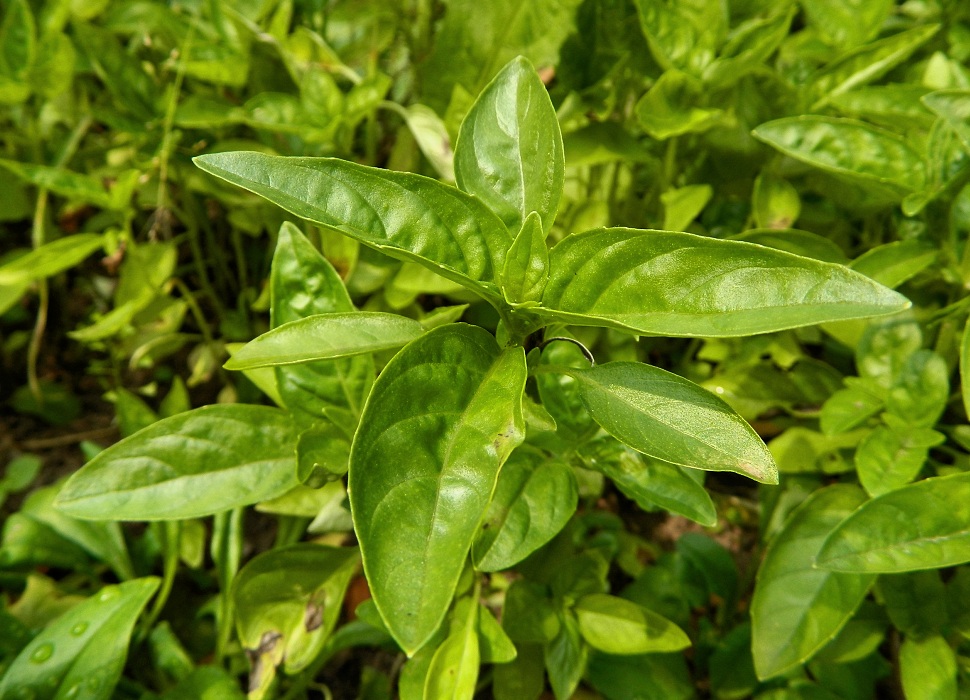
(423, 442)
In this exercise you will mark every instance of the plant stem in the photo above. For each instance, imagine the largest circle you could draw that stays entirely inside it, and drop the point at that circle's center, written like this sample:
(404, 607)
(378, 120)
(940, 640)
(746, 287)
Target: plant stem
(171, 536)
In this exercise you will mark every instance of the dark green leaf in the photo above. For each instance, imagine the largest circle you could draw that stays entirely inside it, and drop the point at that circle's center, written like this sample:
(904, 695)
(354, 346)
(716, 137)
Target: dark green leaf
(81, 653)
(566, 658)
(671, 418)
(406, 216)
(441, 419)
(925, 525)
(797, 608)
(667, 283)
(192, 464)
(509, 152)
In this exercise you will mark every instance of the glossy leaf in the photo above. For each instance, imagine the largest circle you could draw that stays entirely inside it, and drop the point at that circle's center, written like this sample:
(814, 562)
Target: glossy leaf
(797, 608)
(668, 417)
(441, 419)
(304, 284)
(509, 152)
(454, 668)
(925, 525)
(675, 106)
(83, 651)
(803, 243)
(682, 35)
(533, 500)
(848, 148)
(651, 482)
(407, 216)
(748, 46)
(619, 626)
(682, 205)
(50, 258)
(668, 283)
(287, 603)
(866, 63)
(526, 268)
(847, 23)
(192, 464)
(326, 337)
(928, 669)
(894, 263)
(892, 457)
(475, 39)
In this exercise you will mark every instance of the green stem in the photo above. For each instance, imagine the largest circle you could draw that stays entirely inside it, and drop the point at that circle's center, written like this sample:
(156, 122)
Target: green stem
(196, 311)
(289, 530)
(227, 541)
(171, 535)
(586, 353)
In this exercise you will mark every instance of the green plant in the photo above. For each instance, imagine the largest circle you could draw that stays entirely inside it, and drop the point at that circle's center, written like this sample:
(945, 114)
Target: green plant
(424, 443)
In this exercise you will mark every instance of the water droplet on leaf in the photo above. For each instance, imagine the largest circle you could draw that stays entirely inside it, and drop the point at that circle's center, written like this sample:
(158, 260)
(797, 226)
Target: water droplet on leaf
(42, 653)
(79, 629)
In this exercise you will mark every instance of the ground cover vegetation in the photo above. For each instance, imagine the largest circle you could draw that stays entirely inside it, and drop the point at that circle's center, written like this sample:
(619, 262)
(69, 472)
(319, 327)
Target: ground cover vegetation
(574, 348)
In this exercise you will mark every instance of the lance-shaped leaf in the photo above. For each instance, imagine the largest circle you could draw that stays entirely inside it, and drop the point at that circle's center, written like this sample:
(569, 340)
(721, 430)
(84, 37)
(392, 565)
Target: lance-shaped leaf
(526, 268)
(671, 418)
(82, 652)
(442, 418)
(326, 337)
(189, 465)
(509, 152)
(849, 148)
(797, 608)
(407, 216)
(925, 525)
(303, 283)
(50, 258)
(679, 284)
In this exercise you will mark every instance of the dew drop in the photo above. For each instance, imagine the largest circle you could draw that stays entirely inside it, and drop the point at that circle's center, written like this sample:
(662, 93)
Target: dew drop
(79, 629)
(42, 653)
(73, 691)
(107, 594)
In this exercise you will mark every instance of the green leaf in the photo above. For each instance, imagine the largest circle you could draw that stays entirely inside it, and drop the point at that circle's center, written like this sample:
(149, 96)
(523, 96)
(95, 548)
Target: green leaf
(803, 243)
(889, 458)
(682, 205)
(454, 668)
(304, 284)
(953, 106)
(797, 608)
(651, 482)
(894, 263)
(748, 46)
(667, 283)
(529, 615)
(619, 626)
(526, 268)
(928, 669)
(287, 603)
(866, 154)
(847, 22)
(925, 525)
(121, 73)
(848, 408)
(775, 202)
(919, 393)
(801, 450)
(533, 500)
(886, 105)
(442, 418)
(408, 217)
(521, 679)
(494, 645)
(50, 259)
(509, 152)
(675, 106)
(965, 367)
(475, 39)
(82, 653)
(637, 677)
(682, 35)
(326, 337)
(196, 463)
(867, 63)
(566, 658)
(668, 417)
